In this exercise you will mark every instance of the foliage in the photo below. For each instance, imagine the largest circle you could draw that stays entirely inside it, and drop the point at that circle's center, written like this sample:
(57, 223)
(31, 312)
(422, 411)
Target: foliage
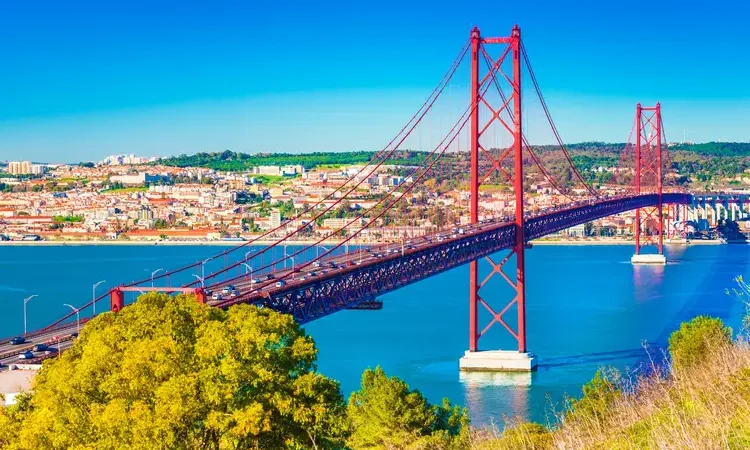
(271, 180)
(526, 435)
(599, 395)
(717, 148)
(123, 190)
(386, 414)
(696, 339)
(168, 372)
(233, 161)
(67, 219)
(160, 224)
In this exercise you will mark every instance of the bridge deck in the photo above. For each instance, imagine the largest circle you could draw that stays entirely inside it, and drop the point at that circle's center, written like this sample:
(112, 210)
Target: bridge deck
(311, 291)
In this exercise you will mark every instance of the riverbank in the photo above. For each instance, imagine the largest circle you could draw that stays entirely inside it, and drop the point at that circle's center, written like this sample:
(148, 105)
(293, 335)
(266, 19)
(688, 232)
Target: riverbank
(149, 243)
(329, 242)
(622, 242)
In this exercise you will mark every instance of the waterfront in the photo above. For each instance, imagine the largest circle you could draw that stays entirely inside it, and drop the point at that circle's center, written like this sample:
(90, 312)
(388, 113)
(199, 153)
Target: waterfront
(587, 306)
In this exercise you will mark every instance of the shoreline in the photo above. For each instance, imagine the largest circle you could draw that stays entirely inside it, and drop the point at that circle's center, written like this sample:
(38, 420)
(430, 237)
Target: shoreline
(305, 243)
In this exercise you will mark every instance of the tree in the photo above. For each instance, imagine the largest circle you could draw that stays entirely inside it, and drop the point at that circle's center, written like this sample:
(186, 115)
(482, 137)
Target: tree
(693, 342)
(160, 224)
(168, 372)
(386, 414)
(588, 228)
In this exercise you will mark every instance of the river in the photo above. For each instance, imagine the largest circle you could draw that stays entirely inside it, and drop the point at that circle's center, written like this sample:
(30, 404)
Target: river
(587, 307)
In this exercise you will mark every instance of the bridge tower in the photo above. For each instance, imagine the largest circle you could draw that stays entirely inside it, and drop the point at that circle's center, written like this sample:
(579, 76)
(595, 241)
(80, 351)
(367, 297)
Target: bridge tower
(649, 180)
(508, 113)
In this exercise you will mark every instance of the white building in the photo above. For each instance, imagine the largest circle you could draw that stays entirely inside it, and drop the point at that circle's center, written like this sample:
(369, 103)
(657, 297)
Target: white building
(279, 170)
(19, 167)
(577, 231)
(134, 180)
(275, 218)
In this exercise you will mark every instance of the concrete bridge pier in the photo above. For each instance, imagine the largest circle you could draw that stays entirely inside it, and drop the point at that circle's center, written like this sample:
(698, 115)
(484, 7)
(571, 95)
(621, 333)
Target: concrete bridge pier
(497, 361)
(648, 258)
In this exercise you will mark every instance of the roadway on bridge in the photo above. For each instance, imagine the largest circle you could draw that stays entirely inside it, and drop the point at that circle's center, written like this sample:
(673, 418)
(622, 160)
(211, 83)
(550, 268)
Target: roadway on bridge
(10, 354)
(261, 289)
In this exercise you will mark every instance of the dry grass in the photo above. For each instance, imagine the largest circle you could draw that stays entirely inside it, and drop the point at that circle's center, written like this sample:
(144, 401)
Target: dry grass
(705, 407)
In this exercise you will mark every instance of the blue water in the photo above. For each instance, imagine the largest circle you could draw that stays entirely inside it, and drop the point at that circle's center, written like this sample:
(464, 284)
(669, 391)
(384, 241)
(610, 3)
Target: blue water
(587, 307)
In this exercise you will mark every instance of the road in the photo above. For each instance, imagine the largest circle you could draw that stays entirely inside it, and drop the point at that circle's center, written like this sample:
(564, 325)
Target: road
(259, 285)
(254, 289)
(9, 353)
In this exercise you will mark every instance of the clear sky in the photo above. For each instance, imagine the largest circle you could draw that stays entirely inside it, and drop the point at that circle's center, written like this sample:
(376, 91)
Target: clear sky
(81, 80)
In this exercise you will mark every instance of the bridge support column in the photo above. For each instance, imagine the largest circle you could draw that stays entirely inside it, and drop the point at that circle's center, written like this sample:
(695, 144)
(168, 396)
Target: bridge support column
(714, 210)
(116, 300)
(499, 360)
(649, 133)
(200, 295)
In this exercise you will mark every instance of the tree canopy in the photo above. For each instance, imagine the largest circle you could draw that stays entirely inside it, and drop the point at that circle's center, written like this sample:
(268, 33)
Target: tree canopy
(169, 373)
(386, 414)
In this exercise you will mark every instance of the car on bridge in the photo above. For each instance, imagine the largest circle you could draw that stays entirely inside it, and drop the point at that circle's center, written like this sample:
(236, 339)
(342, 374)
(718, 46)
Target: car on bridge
(255, 281)
(18, 340)
(280, 283)
(26, 355)
(40, 348)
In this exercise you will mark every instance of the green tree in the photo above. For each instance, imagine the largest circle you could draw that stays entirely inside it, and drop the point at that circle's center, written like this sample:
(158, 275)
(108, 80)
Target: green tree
(386, 414)
(169, 373)
(160, 224)
(696, 339)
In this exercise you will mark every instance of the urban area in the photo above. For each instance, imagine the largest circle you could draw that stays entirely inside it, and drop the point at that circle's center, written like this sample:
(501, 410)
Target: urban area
(126, 198)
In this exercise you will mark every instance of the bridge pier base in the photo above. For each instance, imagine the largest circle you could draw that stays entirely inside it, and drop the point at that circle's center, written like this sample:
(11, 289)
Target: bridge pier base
(497, 361)
(648, 259)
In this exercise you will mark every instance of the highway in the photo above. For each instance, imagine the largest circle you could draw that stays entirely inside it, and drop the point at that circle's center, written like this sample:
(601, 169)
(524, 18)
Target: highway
(325, 280)
(260, 285)
(10, 353)
(257, 288)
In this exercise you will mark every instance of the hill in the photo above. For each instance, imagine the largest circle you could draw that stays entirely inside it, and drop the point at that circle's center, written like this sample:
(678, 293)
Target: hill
(704, 166)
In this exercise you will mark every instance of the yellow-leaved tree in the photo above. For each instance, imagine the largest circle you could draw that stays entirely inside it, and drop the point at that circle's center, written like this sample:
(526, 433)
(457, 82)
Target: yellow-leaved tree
(169, 373)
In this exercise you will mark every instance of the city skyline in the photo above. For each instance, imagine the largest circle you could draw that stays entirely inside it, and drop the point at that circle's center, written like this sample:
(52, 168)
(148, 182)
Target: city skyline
(170, 79)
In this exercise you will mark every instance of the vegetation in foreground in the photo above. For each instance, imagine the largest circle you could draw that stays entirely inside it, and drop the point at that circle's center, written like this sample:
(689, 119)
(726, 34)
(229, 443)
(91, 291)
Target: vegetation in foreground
(701, 402)
(168, 373)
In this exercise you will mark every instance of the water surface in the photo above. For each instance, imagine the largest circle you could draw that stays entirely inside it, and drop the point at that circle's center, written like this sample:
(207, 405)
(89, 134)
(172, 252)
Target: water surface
(587, 307)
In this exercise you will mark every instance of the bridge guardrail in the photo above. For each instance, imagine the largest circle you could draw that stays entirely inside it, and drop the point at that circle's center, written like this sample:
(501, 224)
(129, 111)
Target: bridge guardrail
(34, 334)
(18, 351)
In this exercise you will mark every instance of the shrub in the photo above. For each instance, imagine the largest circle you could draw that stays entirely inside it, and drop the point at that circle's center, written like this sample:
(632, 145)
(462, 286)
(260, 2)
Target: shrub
(386, 414)
(599, 395)
(527, 435)
(696, 339)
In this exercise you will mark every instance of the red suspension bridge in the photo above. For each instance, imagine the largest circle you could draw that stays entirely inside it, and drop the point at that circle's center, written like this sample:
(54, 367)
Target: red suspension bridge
(341, 268)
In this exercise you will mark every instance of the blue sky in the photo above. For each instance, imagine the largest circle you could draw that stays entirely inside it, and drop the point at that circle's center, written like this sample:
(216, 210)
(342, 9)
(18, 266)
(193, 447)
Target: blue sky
(80, 80)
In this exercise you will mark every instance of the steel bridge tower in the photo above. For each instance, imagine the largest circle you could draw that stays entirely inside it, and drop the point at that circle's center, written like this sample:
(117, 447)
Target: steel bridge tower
(497, 360)
(649, 179)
